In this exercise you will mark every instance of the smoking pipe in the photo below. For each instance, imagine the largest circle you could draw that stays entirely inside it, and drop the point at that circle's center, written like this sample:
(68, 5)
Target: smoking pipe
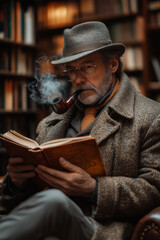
(59, 106)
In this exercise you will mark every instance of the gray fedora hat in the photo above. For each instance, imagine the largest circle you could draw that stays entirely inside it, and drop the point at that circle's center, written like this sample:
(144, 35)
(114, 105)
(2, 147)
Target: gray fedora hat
(86, 38)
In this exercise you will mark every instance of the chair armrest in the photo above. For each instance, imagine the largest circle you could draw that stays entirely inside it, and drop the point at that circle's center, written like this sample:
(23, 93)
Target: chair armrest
(148, 227)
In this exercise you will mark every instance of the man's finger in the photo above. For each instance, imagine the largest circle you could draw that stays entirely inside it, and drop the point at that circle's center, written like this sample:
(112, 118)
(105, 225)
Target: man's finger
(41, 169)
(15, 160)
(69, 166)
(24, 175)
(20, 168)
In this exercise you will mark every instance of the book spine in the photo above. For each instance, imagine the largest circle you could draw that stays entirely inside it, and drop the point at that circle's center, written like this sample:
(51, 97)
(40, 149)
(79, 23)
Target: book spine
(2, 94)
(8, 95)
(29, 26)
(2, 35)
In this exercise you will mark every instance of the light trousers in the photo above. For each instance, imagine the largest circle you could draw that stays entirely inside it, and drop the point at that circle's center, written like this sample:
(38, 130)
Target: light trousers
(48, 214)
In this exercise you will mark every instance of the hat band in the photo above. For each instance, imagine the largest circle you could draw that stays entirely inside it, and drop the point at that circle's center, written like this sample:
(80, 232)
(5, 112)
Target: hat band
(87, 47)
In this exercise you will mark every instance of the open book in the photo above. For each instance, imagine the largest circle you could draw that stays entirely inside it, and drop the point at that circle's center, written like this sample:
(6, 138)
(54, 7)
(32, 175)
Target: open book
(81, 151)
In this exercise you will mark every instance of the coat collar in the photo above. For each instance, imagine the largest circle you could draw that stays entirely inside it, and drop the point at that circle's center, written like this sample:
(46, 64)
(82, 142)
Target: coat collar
(123, 101)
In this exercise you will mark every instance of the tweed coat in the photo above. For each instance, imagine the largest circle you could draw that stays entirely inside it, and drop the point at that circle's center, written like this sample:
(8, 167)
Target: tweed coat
(128, 134)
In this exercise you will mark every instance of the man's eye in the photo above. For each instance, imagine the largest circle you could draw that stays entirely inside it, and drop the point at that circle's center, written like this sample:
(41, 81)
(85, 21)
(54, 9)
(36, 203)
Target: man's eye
(70, 70)
(88, 66)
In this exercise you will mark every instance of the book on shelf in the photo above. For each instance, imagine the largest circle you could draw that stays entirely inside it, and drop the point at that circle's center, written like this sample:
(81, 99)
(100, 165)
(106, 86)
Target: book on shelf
(2, 94)
(57, 43)
(28, 26)
(125, 6)
(133, 6)
(155, 5)
(87, 7)
(13, 95)
(156, 67)
(1, 22)
(8, 100)
(18, 33)
(133, 59)
(80, 151)
(113, 7)
(140, 28)
(155, 18)
(56, 13)
(21, 61)
(128, 31)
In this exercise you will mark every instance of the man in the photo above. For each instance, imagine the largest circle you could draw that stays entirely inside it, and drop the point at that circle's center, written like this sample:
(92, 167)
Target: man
(126, 127)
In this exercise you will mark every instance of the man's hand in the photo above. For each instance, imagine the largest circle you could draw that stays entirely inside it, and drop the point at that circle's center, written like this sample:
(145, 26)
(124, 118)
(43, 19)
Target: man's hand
(74, 182)
(19, 172)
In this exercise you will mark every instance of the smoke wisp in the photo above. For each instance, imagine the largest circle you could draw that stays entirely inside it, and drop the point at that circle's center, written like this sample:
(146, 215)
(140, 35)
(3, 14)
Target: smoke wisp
(46, 84)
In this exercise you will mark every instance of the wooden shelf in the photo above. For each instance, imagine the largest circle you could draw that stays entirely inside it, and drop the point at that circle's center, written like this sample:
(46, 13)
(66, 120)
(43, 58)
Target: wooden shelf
(8, 74)
(154, 86)
(6, 41)
(133, 43)
(135, 72)
(153, 27)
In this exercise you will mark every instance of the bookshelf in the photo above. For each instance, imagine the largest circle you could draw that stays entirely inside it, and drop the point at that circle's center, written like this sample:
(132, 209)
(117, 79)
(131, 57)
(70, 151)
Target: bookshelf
(17, 52)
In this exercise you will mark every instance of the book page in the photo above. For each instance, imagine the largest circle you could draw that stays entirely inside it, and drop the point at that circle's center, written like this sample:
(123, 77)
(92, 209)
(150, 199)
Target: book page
(60, 141)
(20, 139)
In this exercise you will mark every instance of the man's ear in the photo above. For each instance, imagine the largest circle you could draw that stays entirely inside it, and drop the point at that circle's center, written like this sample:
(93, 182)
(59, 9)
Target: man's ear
(114, 64)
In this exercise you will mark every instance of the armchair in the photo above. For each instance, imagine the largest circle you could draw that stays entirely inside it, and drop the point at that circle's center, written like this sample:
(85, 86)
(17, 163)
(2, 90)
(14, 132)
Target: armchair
(148, 227)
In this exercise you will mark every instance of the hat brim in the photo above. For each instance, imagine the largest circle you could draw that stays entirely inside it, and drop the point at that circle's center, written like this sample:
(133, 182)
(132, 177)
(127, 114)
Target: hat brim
(117, 48)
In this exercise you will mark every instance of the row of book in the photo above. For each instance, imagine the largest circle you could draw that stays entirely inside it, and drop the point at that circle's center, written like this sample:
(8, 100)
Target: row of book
(130, 30)
(137, 82)
(133, 59)
(57, 13)
(155, 18)
(17, 21)
(154, 5)
(14, 96)
(16, 60)
(114, 7)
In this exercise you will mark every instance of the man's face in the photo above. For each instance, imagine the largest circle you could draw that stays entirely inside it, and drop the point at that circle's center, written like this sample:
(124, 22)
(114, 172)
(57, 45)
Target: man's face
(97, 83)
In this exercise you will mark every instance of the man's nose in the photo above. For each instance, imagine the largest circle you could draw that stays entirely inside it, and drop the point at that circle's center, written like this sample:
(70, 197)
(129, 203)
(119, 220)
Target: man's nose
(79, 77)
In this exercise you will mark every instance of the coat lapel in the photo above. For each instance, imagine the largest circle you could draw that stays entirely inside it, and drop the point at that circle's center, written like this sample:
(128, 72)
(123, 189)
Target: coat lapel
(104, 127)
(122, 104)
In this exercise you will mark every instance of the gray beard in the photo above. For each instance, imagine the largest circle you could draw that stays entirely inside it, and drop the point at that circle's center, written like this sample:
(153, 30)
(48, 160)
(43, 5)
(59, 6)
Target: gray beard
(99, 92)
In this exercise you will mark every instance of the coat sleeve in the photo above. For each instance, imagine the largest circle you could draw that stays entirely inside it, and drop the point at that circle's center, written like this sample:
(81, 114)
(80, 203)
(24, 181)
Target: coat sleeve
(11, 196)
(130, 198)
